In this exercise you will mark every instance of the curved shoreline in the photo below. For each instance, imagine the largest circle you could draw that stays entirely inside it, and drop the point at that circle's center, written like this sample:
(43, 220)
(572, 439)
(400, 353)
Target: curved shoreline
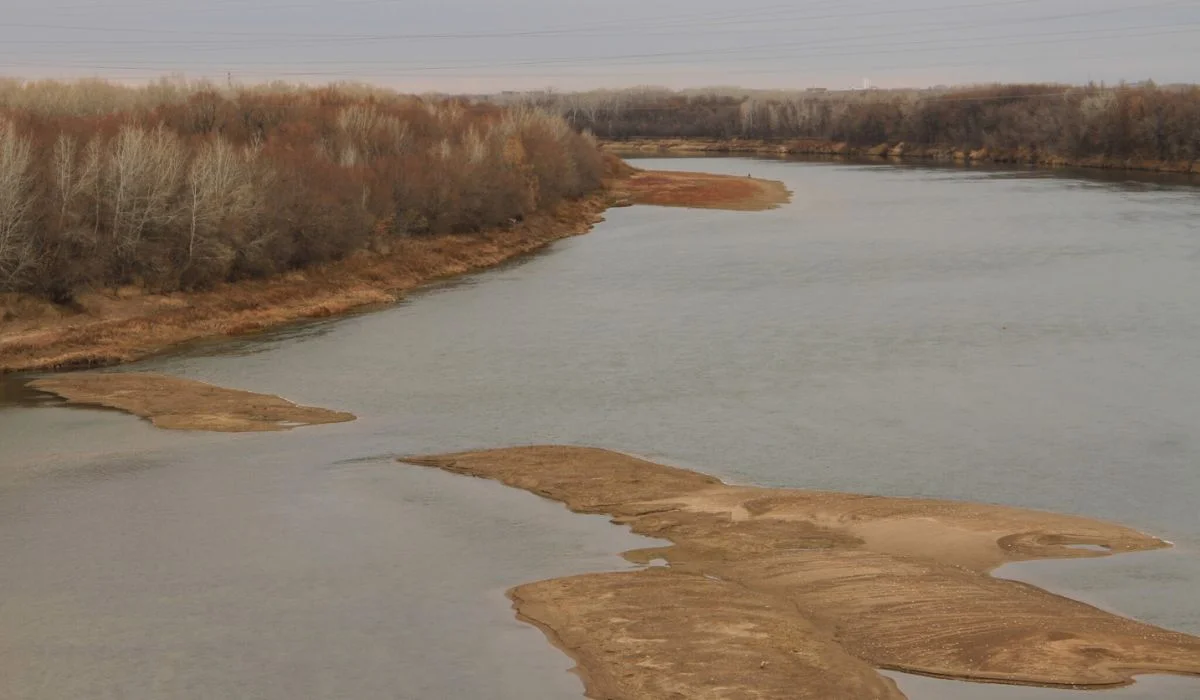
(901, 152)
(38, 336)
(858, 583)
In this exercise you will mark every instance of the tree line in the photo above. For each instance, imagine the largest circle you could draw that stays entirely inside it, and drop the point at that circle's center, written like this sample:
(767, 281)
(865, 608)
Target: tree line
(183, 186)
(1127, 121)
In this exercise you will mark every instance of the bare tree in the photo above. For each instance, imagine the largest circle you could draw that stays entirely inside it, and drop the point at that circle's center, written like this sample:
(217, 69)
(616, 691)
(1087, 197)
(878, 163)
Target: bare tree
(220, 190)
(17, 251)
(142, 181)
(72, 178)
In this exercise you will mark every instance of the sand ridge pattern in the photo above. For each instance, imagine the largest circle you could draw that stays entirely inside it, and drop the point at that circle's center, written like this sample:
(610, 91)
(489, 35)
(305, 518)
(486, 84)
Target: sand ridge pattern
(774, 593)
(182, 404)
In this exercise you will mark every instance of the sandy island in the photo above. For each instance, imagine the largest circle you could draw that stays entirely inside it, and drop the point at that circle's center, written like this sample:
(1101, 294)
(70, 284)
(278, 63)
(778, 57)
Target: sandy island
(109, 329)
(774, 593)
(182, 404)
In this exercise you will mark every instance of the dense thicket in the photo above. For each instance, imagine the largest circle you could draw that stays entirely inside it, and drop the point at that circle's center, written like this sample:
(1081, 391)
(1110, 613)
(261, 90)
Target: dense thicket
(1142, 121)
(181, 186)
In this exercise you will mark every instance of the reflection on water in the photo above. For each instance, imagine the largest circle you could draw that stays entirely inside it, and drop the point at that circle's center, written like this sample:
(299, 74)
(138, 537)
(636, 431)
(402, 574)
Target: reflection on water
(1013, 338)
(15, 392)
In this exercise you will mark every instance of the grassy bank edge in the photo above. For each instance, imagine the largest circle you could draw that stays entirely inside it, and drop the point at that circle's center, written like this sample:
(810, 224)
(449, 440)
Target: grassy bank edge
(105, 330)
(114, 328)
(895, 152)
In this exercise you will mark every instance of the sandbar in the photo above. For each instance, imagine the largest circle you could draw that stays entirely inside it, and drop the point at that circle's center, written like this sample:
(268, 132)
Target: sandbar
(175, 403)
(782, 593)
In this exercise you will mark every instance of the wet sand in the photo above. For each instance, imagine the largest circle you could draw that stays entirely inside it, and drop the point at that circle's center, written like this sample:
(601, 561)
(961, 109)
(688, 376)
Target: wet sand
(182, 404)
(788, 593)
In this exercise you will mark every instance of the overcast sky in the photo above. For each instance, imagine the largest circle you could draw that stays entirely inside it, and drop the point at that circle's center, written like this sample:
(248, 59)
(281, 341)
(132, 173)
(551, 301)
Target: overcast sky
(485, 45)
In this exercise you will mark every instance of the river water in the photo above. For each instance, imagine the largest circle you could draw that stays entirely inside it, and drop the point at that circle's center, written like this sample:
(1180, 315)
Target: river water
(1021, 338)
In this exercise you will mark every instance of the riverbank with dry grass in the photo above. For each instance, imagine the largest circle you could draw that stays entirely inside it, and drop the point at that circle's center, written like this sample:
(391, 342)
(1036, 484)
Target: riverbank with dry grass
(777, 593)
(104, 329)
(891, 151)
(174, 403)
(701, 191)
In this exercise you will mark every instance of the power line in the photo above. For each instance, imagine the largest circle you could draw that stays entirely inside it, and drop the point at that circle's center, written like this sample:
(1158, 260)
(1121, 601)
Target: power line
(528, 33)
(764, 52)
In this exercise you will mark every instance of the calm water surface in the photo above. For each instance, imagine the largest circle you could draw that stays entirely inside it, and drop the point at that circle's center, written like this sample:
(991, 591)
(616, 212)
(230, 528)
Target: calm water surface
(1013, 338)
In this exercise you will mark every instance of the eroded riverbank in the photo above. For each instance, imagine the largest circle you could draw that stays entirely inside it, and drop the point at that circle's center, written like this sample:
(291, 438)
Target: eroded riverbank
(814, 590)
(102, 330)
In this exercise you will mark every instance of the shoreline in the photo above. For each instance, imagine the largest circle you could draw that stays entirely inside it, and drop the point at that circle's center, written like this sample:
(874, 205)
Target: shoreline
(111, 331)
(106, 329)
(855, 584)
(893, 152)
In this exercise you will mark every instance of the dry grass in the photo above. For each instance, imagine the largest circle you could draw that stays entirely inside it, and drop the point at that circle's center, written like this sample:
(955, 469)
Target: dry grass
(702, 191)
(108, 330)
(851, 583)
(117, 328)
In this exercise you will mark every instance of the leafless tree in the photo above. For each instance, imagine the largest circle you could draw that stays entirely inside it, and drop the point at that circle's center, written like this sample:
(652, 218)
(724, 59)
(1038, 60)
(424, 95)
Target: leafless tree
(144, 170)
(220, 190)
(17, 251)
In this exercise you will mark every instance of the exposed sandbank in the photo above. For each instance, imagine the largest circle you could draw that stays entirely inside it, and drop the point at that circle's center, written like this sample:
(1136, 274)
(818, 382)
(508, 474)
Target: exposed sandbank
(775, 593)
(182, 404)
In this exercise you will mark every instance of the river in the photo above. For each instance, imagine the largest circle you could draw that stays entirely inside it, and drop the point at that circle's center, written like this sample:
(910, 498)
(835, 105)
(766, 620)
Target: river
(1025, 338)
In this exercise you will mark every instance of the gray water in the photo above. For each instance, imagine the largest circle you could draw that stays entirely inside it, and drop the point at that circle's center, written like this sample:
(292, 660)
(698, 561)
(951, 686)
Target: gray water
(1016, 338)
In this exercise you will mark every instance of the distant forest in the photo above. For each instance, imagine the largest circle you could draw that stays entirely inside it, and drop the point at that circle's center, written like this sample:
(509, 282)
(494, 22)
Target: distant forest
(1143, 121)
(180, 186)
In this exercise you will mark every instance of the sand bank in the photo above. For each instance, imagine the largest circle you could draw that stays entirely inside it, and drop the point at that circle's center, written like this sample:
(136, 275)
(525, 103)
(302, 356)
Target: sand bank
(775, 593)
(182, 404)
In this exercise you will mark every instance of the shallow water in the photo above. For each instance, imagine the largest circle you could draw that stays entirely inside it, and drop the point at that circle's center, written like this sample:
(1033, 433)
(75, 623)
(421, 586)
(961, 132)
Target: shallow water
(1014, 338)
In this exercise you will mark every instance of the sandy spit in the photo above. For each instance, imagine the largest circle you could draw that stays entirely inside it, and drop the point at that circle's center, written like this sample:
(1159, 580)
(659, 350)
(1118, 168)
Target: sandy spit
(182, 404)
(774, 593)
(702, 191)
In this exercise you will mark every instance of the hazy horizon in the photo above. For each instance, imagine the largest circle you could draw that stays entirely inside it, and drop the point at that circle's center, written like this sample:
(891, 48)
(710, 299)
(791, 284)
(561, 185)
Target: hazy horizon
(475, 46)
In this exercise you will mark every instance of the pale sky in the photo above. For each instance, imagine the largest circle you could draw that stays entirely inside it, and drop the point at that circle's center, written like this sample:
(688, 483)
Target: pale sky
(484, 46)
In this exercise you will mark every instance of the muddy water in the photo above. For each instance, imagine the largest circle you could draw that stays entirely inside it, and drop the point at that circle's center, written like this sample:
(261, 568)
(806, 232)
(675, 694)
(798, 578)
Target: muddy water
(1014, 338)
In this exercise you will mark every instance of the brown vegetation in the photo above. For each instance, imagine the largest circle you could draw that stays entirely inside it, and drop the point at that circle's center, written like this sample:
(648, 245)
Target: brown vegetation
(775, 593)
(185, 189)
(701, 191)
(111, 329)
(100, 329)
(1138, 127)
(182, 404)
